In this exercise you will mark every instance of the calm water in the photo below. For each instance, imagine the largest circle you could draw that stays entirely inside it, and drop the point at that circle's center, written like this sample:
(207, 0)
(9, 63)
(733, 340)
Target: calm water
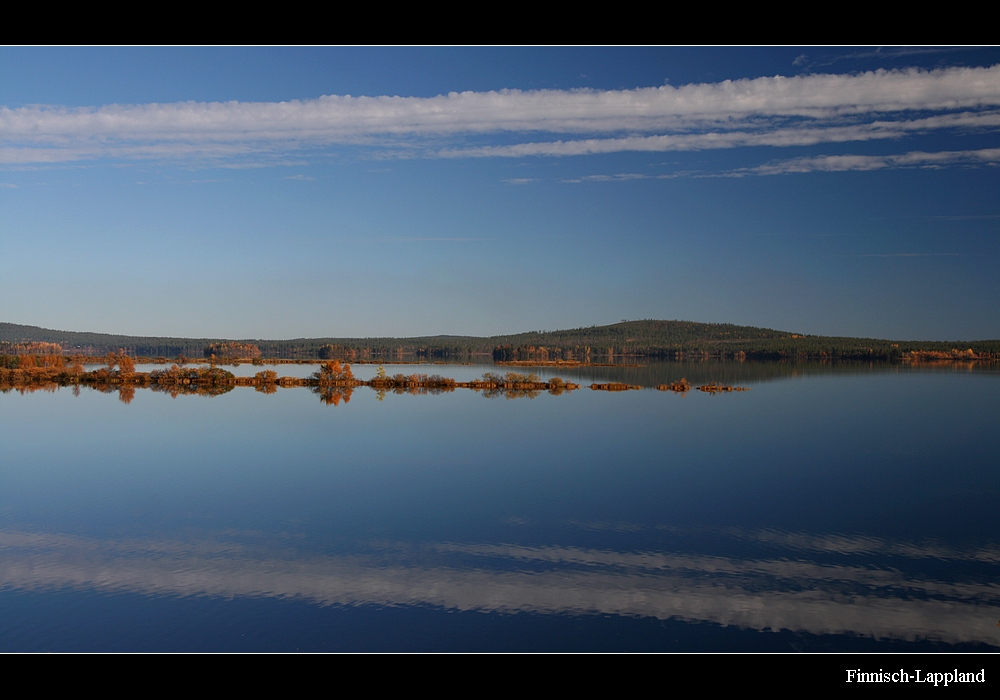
(829, 508)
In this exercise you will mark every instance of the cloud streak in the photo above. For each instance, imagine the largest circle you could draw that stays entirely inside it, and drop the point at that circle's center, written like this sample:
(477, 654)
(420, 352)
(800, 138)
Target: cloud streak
(914, 159)
(800, 135)
(774, 111)
(831, 164)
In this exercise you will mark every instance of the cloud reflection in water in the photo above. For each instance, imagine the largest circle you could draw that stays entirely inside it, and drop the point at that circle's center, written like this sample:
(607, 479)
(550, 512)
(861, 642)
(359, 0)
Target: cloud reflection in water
(757, 593)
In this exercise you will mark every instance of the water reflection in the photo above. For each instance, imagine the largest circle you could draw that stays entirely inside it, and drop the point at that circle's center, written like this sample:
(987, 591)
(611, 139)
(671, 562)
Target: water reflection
(856, 501)
(857, 596)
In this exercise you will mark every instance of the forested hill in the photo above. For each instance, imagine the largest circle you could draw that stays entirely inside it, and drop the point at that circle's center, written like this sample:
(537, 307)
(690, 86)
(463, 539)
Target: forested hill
(629, 338)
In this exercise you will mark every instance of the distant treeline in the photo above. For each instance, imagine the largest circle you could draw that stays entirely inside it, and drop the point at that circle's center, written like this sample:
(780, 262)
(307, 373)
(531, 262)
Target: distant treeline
(629, 339)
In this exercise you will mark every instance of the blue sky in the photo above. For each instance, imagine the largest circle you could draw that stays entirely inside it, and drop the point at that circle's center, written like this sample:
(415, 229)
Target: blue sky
(290, 192)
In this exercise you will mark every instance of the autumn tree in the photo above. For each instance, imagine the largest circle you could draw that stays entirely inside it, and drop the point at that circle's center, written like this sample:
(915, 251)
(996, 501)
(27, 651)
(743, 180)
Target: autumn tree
(333, 372)
(126, 365)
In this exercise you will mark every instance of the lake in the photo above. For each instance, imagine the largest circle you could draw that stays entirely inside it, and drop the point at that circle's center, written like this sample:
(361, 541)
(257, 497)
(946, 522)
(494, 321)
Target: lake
(833, 507)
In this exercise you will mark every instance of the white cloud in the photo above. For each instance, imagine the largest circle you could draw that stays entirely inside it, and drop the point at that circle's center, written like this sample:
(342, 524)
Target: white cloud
(775, 111)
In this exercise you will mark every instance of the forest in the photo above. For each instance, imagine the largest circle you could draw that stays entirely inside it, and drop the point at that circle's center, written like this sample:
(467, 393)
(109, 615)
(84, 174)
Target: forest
(591, 345)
